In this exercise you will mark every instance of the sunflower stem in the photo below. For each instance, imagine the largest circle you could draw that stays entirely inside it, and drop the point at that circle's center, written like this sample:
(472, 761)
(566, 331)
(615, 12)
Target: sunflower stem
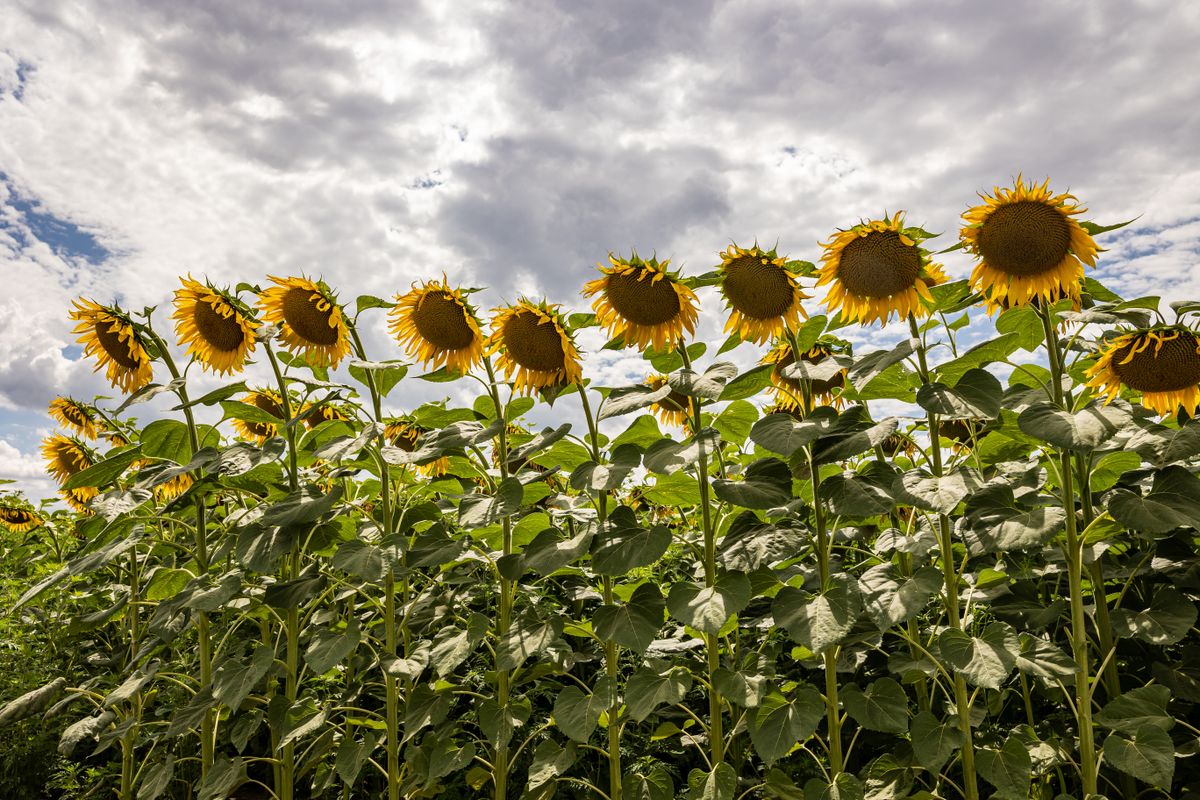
(950, 576)
(1073, 550)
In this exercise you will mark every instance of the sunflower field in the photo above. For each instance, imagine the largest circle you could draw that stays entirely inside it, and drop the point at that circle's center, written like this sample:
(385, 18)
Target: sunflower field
(727, 584)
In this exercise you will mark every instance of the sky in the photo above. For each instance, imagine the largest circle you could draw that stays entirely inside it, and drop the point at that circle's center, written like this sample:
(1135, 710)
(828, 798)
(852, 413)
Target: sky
(512, 145)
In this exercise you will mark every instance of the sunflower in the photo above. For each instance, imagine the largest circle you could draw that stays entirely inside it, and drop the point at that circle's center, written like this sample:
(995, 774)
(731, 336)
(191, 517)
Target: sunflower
(962, 433)
(436, 325)
(18, 519)
(876, 269)
(168, 491)
(65, 457)
(762, 295)
(217, 329)
(404, 432)
(258, 432)
(642, 302)
(109, 335)
(1167, 373)
(534, 346)
(315, 415)
(75, 416)
(310, 319)
(672, 409)
(1028, 244)
(788, 391)
(897, 444)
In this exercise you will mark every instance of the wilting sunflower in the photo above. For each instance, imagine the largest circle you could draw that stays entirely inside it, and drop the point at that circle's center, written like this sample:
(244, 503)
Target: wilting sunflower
(65, 457)
(217, 329)
(672, 409)
(315, 415)
(1028, 244)
(642, 302)
(790, 392)
(535, 349)
(77, 417)
(876, 269)
(258, 432)
(109, 335)
(18, 519)
(403, 432)
(1162, 363)
(897, 444)
(963, 433)
(310, 319)
(168, 491)
(763, 296)
(436, 325)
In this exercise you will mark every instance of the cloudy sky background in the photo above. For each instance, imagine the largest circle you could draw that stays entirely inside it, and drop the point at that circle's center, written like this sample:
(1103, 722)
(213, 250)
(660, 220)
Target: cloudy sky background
(513, 144)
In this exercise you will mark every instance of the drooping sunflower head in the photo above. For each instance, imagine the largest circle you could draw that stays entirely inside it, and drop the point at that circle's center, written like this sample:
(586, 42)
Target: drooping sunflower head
(899, 444)
(535, 348)
(309, 317)
(324, 412)
(108, 335)
(258, 432)
(1028, 245)
(404, 432)
(789, 391)
(65, 457)
(1163, 363)
(762, 295)
(217, 329)
(643, 303)
(672, 409)
(436, 325)
(165, 492)
(19, 518)
(962, 433)
(77, 417)
(876, 269)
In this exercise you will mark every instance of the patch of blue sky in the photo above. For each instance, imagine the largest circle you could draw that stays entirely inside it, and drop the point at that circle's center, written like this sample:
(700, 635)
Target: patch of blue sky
(64, 237)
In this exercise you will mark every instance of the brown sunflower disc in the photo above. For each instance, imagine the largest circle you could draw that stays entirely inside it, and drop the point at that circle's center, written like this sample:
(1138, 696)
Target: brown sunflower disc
(263, 429)
(641, 301)
(758, 290)
(1025, 238)
(220, 333)
(879, 265)
(309, 322)
(959, 430)
(531, 344)
(1175, 367)
(75, 415)
(442, 322)
(117, 350)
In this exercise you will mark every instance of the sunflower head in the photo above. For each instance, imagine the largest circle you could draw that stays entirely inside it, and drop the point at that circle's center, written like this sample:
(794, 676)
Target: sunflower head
(309, 317)
(77, 417)
(1028, 244)
(404, 432)
(65, 457)
(643, 303)
(674, 408)
(536, 351)
(165, 492)
(762, 295)
(961, 432)
(216, 329)
(436, 325)
(109, 335)
(1163, 363)
(897, 444)
(258, 432)
(876, 269)
(18, 518)
(790, 392)
(324, 412)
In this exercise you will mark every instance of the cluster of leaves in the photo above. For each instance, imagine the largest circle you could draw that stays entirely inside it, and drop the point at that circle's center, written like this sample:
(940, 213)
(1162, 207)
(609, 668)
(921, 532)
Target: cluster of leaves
(828, 605)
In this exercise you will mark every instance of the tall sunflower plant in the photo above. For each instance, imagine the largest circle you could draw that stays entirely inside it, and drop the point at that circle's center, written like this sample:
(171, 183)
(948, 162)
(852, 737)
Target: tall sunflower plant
(959, 565)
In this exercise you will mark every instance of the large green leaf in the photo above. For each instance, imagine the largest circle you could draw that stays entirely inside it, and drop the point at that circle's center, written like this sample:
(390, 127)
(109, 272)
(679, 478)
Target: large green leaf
(892, 599)
(708, 608)
(635, 624)
(328, 647)
(648, 689)
(235, 678)
(882, 707)
(1137, 708)
(934, 741)
(818, 621)
(976, 395)
(780, 722)
(942, 494)
(767, 484)
(577, 713)
(998, 349)
(1168, 619)
(983, 660)
(626, 545)
(1008, 769)
(782, 434)
(707, 385)
(478, 510)
(1081, 432)
(1148, 755)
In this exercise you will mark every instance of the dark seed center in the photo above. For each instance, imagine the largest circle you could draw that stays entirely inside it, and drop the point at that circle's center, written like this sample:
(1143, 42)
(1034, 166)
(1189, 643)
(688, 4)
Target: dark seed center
(117, 350)
(531, 344)
(1175, 367)
(758, 290)
(1025, 238)
(879, 265)
(221, 333)
(309, 322)
(442, 321)
(643, 302)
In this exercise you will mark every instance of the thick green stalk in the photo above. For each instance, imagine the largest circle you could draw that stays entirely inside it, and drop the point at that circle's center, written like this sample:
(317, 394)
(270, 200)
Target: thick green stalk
(1073, 550)
(129, 740)
(612, 653)
(1104, 630)
(712, 643)
(500, 763)
(962, 700)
